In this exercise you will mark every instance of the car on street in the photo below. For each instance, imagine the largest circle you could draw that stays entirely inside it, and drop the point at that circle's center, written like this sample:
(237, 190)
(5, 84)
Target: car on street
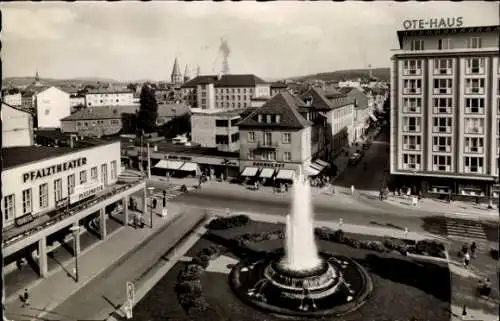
(366, 145)
(354, 159)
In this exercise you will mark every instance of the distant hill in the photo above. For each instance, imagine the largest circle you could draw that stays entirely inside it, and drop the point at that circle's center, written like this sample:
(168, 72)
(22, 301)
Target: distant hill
(24, 81)
(379, 73)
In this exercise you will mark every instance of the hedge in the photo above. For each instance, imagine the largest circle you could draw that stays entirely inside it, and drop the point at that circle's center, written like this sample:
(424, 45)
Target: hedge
(223, 223)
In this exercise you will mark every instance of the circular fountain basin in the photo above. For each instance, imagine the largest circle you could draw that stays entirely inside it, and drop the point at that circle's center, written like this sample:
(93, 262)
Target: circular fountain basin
(336, 287)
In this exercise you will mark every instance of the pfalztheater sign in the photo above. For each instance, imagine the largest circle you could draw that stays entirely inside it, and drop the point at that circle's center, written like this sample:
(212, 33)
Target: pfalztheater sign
(55, 169)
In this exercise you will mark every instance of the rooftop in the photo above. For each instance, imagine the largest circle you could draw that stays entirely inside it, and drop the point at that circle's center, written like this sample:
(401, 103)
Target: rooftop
(18, 156)
(218, 112)
(109, 91)
(278, 84)
(284, 104)
(246, 80)
(167, 147)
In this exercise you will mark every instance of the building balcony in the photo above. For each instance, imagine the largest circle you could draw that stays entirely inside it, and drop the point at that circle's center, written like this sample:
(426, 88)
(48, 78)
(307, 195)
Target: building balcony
(474, 110)
(473, 169)
(414, 167)
(442, 110)
(442, 129)
(474, 71)
(412, 91)
(474, 90)
(475, 130)
(443, 71)
(411, 129)
(267, 146)
(412, 109)
(412, 147)
(474, 149)
(442, 91)
(412, 72)
(441, 168)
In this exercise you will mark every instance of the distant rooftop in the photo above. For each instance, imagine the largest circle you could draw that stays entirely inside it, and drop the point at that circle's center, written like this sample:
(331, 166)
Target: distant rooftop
(18, 156)
(167, 147)
(218, 112)
(246, 80)
(110, 91)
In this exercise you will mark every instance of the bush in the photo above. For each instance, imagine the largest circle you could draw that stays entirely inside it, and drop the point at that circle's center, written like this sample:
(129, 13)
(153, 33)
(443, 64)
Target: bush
(322, 233)
(191, 272)
(184, 188)
(338, 236)
(198, 305)
(192, 288)
(494, 253)
(201, 260)
(223, 223)
(352, 242)
(430, 247)
(373, 246)
(396, 245)
(212, 251)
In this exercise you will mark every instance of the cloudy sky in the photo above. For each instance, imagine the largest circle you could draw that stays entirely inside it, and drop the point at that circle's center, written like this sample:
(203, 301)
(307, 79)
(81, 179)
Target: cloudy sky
(129, 41)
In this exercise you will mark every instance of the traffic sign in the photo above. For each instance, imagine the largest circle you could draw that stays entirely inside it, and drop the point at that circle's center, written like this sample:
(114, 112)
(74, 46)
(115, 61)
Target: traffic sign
(130, 293)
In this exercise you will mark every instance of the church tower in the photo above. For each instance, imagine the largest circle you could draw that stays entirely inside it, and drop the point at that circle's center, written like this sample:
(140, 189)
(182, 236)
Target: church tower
(187, 76)
(176, 77)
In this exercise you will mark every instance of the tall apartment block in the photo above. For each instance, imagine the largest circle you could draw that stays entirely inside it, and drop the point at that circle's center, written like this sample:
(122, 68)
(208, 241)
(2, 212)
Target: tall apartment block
(445, 111)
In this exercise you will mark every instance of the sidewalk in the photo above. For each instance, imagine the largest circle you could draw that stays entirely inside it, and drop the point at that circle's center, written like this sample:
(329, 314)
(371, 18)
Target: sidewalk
(46, 294)
(454, 209)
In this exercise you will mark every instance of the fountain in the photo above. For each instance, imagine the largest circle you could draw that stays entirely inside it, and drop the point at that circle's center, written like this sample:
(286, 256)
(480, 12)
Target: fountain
(300, 280)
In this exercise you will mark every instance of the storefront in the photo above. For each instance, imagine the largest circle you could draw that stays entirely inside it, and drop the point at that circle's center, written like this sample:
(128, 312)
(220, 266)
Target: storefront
(38, 180)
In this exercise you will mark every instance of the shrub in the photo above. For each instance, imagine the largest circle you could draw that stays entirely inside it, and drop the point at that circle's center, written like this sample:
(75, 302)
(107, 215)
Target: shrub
(201, 260)
(494, 253)
(192, 288)
(212, 251)
(372, 245)
(352, 242)
(338, 236)
(322, 233)
(198, 305)
(396, 245)
(191, 272)
(430, 247)
(184, 188)
(223, 223)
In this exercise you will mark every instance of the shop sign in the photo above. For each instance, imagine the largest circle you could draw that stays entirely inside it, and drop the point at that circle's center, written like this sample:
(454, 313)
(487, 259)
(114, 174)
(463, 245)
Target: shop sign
(23, 220)
(264, 164)
(433, 23)
(85, 191)
(64, 202)
(55, 169)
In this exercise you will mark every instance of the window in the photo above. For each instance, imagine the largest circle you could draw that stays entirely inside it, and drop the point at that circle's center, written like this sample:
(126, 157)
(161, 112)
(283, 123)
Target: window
(58, 190)
(251, 155)
(260, 118)
(473, 164)
(203, 101)
(411, 161)
(474, 43)
(442, 125)
(474, 144)
(412, 86)
(442, 86)
(474, 105)
(71, 184)
(9, 206)
(269, 155)
(114, 122)
(444, 44)
(474, 125)
(441, 163)
(474, 66)
(27, 201)
(93, 173)
(104, 174)
(251, 137)
(416, 45)
(411, 124)
(83, 177)
(114, 169)
(412, 67)
(235, 137)
(441, 144)
(442, 105)
(267, 139)
(287, 138)
(443, 66)
(474, 86)
(221, 139)
(287, 156)
(411, 142)
(412, 105)
(44, 195)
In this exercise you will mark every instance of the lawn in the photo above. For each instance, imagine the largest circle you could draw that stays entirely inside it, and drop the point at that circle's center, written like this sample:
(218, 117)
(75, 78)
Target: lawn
(403, 288)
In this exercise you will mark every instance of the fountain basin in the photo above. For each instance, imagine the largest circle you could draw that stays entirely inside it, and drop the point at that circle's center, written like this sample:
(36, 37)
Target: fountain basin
(336, 287)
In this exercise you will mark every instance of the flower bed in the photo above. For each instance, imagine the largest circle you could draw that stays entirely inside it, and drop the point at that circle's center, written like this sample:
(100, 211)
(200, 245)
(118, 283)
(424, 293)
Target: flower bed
(223, 223)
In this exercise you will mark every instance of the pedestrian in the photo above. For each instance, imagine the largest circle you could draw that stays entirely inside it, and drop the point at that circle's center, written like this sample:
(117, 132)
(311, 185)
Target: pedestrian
(466, 260)
(473, 248)
(333, 189)
(286, 187)
(26, 298)
(352, 189)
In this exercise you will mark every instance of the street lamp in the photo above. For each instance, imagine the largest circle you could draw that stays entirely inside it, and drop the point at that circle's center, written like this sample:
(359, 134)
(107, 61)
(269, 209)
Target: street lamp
(76, 234)
(150, 196)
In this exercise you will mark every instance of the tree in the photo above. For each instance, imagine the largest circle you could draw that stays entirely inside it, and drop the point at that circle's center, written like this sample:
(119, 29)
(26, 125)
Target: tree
(148, 110)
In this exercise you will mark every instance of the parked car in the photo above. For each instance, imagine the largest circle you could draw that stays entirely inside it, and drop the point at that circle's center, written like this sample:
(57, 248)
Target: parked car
(354, 159)
(366, 145)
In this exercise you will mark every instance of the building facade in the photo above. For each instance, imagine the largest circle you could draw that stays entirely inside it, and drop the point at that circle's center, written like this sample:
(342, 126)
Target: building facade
(216, 129)
(224, 91)
(52, 105)
(113, 97)
(13, 99)
(17, 127)
(278, 87)
(445, 110)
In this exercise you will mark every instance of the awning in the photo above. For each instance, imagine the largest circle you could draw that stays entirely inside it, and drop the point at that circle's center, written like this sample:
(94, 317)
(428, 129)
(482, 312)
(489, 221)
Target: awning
(317, 167)
(311, 171)
(165, 164)
(372, 116)
(190, 167)
(267, 173)
(285, 174)
(322, 163)
(249, 171)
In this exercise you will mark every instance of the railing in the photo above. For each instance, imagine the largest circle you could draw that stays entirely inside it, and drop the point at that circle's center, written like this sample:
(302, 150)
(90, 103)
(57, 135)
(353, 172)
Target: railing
(63, 214)
(261, 144)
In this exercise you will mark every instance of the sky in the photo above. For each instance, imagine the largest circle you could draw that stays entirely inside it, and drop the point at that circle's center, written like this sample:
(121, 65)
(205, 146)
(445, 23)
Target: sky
(129, 41)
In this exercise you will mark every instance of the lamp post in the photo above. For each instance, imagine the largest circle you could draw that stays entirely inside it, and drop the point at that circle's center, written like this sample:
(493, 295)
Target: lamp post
(76, 232)
(150, 196)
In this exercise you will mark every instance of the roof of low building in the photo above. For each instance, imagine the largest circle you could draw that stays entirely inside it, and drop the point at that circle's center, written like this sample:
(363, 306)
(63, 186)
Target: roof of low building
(102, 112)
(19, 108)
(173, 110)
(326, 101)
(278, 84)
(284, 104)
(109, 91)
(244, 80)
(18, 156)
(218, 112)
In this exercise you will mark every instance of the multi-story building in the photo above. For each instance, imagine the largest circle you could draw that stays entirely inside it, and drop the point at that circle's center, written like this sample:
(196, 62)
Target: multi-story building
(445, 110)
(224, 91)
(13, 99)
(109, 97)
(280, 137)
(278, 87)
(216, 129)
(17, 127)
(364, 104)
(52, 105)
(76, 99)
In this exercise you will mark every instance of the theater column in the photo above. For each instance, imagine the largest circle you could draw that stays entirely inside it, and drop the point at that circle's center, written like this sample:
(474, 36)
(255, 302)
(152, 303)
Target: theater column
(76, 235)
(125, 210)
(102, 219)
(42, 257)
(144, 201)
